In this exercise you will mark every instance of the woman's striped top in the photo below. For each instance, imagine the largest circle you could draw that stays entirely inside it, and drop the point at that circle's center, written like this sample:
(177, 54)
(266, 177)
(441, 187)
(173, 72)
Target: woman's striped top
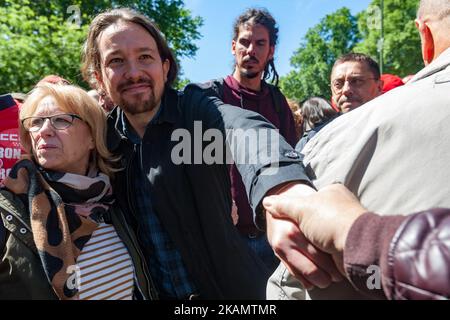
(105, 266)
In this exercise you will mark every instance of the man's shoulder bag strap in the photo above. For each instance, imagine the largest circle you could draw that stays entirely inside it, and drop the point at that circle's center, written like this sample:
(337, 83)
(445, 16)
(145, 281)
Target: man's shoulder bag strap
(277, 97)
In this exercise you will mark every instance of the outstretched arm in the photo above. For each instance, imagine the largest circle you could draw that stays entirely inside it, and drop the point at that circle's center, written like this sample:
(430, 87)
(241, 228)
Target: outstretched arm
(411, 252)
(268, 165)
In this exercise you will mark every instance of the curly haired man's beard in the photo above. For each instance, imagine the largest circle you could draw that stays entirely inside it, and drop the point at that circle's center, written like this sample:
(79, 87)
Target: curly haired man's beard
(245, 73)
(248, 74)
(139, 106)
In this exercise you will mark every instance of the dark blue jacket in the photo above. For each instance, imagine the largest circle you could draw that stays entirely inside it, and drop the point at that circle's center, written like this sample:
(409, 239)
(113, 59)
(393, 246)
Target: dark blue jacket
(193, 201)
(308, 135)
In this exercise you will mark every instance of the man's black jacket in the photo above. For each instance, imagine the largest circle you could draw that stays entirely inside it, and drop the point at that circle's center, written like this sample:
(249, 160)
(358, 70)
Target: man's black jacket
(193, 201)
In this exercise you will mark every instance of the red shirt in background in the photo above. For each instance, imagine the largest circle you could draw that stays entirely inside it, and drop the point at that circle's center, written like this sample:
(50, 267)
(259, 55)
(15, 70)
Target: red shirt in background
(390, 82)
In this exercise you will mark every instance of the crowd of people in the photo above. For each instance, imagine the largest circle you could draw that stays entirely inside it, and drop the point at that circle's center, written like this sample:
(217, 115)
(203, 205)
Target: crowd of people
(95, 203)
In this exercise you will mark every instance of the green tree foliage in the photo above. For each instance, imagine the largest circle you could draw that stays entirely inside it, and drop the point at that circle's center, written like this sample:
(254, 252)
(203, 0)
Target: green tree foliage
(401, 49)
(38, 38)
(32, 46)
(335, 35)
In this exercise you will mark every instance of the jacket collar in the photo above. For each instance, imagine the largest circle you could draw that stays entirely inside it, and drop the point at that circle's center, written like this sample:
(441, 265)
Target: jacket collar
(441, 63)
(243, 92)
(169, 114)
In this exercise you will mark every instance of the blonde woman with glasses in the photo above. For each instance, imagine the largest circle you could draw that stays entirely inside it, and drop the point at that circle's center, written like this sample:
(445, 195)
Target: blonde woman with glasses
(65, 236)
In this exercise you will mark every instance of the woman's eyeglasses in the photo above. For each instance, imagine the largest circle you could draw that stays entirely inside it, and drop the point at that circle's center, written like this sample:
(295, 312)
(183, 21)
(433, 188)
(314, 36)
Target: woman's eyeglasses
(58, 122)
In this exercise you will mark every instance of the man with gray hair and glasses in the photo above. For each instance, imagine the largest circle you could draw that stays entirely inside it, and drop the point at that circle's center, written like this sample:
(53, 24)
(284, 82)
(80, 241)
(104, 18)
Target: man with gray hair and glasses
(355, 80)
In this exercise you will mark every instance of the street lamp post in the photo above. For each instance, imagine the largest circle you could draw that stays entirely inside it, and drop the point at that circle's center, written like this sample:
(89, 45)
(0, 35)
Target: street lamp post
(381, 44)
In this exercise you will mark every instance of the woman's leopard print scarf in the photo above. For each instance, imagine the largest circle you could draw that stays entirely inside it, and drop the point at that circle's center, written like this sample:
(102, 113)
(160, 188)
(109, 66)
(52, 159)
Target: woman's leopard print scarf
(63, 210)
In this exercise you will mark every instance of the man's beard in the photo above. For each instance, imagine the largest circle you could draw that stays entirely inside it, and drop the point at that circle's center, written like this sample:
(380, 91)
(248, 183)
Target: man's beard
(245, 73)
(138, 105)
(249, 74)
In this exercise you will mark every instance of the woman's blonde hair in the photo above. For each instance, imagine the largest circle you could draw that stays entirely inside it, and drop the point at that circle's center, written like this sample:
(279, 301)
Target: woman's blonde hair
(73, 99)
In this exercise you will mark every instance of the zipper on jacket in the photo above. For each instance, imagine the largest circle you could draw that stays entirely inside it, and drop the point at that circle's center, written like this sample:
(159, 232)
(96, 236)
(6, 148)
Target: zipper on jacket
(14, 212)
(148, 277)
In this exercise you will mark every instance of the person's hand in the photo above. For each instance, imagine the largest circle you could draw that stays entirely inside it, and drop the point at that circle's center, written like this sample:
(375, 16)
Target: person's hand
(325, 217)
(312, 267)
(234, 213)
(309, 265)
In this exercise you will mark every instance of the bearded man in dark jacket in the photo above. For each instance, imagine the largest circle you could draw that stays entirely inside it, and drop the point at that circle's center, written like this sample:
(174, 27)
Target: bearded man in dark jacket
(174, 187)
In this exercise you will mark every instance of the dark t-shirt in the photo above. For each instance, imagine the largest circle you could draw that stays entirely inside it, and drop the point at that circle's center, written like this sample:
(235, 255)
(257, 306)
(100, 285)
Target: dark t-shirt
(262, 103)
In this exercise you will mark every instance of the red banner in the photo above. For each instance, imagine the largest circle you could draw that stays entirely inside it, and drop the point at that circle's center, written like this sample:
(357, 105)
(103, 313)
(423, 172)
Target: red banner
(10, 149)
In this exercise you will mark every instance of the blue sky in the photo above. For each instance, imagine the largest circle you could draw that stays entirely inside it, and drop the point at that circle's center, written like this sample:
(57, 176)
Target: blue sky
(294, 17)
